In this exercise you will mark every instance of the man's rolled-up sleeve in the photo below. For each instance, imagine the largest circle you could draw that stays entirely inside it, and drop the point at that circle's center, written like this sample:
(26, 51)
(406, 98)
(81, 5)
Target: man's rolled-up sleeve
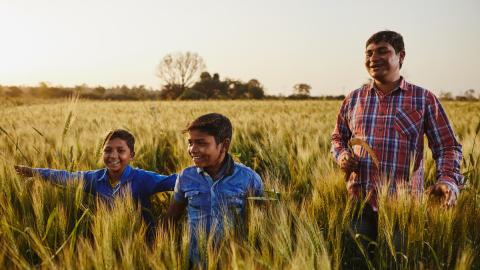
(446, 150)
(341, 134)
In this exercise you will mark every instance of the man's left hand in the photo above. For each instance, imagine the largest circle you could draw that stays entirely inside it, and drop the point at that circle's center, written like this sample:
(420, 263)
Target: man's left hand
(444, 192)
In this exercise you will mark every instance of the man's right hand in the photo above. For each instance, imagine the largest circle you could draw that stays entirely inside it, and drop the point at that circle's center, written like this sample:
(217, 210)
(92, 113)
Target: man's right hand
(24, 170)
(348, 162)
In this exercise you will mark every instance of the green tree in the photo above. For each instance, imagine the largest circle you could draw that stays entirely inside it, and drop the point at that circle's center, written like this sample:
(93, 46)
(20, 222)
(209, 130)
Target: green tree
(171, 91)
(255, 89)
(470, 94)
(446, 95)
(211, 87)
(301, 89)
(99, 91)
(13, 91)
(191, 94)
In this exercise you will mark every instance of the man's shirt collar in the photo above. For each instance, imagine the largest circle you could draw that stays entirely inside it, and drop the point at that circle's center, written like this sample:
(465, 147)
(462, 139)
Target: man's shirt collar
(402, 86)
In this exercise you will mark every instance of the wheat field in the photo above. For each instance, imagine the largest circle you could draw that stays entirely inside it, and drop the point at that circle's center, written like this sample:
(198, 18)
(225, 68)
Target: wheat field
(287, 142)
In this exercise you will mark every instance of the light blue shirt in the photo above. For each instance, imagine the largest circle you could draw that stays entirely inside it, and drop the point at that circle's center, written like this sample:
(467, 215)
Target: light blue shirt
(216, 204)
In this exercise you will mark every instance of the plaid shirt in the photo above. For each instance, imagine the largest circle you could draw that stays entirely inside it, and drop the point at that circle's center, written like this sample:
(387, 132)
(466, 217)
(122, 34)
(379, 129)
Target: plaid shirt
(393, 125)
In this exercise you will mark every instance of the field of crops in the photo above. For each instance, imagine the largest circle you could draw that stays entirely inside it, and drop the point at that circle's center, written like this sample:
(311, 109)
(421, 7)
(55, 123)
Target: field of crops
(286, 142)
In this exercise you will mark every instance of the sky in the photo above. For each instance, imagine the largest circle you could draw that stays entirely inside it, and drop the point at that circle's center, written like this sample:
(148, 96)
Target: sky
(280, 43)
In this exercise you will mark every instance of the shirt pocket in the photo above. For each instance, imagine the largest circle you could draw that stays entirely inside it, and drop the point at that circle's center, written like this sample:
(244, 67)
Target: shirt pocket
(233, 206)
(233, 200)
(198, 199)
(408, 123)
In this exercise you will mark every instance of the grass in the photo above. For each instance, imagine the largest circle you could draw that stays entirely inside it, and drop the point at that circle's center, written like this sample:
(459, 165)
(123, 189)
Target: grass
(286, 142)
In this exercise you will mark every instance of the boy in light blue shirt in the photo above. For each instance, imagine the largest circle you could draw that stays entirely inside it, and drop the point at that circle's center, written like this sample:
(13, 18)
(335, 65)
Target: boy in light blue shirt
(214, 191)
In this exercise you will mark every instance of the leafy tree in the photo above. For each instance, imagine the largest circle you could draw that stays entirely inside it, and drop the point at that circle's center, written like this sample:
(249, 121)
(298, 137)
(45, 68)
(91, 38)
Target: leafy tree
(180, 69)
(236, 89)
(205, 76)
(446, 95)
(171, 91)
(301, 89)
(99, 91)
(255, 89)
(13, 91)
(470, 94)
(211, 87)
(191, 94)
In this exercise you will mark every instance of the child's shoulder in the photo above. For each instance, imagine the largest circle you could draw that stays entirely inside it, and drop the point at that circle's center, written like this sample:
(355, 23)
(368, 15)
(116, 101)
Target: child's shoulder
(91, 174)
(190, 169)
(98, 172)
(242, 168)
(142, 174)
(138, 171)
(189, 172)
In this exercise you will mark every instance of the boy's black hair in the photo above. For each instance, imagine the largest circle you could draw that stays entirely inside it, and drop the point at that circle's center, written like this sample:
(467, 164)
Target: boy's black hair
(215, 124)
(391, 37)
(123, 135)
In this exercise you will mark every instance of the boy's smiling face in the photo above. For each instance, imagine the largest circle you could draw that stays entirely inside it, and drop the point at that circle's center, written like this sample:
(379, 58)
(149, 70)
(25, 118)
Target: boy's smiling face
(205, 151)
(116, 155)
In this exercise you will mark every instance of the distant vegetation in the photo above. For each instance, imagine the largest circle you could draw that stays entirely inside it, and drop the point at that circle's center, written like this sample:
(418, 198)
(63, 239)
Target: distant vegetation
(208, 87)
(183, 77)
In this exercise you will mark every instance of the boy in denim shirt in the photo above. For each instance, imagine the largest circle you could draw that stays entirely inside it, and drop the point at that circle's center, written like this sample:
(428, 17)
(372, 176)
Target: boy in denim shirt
(214, 191)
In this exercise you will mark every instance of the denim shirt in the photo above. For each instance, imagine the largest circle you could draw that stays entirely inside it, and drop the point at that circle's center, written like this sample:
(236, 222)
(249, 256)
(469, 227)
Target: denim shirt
(216, 204)
(141, 183)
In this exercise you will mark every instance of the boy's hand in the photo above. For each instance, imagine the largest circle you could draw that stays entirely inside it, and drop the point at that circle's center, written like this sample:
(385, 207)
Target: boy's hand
(348, 162)
(174, 212)
(23, 170)
(443, 191)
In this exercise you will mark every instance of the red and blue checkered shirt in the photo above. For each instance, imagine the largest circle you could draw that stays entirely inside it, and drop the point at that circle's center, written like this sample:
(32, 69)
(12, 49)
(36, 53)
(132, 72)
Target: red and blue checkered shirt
(394, 125)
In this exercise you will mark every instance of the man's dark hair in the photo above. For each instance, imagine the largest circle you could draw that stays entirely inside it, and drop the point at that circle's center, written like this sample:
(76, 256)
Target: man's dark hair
(391, 37)
(123, 135)
(215, 124)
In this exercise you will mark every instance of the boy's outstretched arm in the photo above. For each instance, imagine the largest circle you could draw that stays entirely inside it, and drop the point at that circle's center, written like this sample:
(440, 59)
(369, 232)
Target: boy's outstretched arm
(24, 171)
(56, 176)
(158, 182)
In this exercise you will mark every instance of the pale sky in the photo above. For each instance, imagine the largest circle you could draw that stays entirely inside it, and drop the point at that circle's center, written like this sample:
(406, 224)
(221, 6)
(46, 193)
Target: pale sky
(280, 43)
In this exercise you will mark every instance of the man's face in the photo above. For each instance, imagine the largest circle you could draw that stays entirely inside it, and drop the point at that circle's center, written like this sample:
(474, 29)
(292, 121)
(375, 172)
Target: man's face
(116, 155)
(204, 150)
(382, 63)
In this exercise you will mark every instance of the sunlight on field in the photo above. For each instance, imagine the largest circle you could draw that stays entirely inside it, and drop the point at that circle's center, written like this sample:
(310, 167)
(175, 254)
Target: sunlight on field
(286, 142)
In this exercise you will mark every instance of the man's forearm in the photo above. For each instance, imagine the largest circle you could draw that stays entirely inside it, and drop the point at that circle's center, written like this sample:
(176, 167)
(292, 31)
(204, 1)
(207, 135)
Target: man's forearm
(448, 161)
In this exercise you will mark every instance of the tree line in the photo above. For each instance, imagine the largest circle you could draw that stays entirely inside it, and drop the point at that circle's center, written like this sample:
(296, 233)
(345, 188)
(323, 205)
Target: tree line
(211, 87)
(183, 77)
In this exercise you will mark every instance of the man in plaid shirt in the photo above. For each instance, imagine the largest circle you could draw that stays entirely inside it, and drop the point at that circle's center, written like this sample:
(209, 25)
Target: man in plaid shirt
(392, 116)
